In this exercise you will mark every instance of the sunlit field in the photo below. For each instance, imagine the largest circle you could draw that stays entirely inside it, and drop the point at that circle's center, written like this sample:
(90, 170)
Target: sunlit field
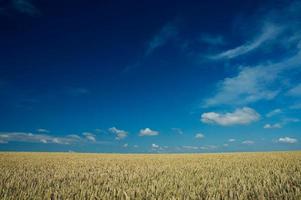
(161, 176)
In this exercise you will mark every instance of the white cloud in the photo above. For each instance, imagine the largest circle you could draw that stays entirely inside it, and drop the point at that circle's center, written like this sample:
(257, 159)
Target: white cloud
(243, 115)
(287, 140)
(231, 140)
(269, 32)
(274, 112)
(89, 136)
(120, 134)
(155, 146)
(272, 126)
(126, 145)
(250, 85)
(199, 136)
(148, 132)
(41, 130)
(248, 142)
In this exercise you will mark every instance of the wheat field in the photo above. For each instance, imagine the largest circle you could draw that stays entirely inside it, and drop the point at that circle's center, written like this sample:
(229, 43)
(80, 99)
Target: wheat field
(150, 176)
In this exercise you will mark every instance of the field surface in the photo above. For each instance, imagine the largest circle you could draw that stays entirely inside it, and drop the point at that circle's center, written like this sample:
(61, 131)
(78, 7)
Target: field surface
(163, 176)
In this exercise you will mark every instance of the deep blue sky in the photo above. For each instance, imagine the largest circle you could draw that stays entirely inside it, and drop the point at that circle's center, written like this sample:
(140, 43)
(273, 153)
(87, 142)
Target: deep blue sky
(150, 76)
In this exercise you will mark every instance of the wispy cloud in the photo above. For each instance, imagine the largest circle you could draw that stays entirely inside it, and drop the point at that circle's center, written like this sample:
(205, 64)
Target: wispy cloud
(281, 124)
(269, 32)
(6, 137)
(120, 134)
(25, 7)
(295, 91)
(178, 131)
(243, 115)
(272, 126)
(296, 106)
(148, 132)
(253, 83)
(267, 79)
(167, 32)
(290, 120)
(274, 112)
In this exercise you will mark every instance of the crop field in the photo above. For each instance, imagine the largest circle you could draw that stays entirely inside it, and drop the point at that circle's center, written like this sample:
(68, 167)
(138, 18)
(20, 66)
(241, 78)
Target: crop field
(150, 176)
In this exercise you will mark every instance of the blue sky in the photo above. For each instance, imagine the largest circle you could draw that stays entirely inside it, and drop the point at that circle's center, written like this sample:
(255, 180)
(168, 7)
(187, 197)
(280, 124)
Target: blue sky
(150, 76)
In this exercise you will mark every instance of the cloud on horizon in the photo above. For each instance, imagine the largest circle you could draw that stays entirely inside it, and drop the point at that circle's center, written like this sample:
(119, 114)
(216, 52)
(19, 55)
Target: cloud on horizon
(6, 137)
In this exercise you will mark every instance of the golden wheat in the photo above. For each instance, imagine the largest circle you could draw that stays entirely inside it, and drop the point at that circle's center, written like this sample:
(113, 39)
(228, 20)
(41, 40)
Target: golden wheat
(170, 176)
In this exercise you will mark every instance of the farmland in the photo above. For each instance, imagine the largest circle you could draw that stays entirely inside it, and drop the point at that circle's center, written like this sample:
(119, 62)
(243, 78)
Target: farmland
(150, 176)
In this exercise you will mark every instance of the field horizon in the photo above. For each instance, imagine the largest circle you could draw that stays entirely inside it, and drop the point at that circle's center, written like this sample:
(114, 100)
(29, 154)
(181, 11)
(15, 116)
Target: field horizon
(153, 153)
